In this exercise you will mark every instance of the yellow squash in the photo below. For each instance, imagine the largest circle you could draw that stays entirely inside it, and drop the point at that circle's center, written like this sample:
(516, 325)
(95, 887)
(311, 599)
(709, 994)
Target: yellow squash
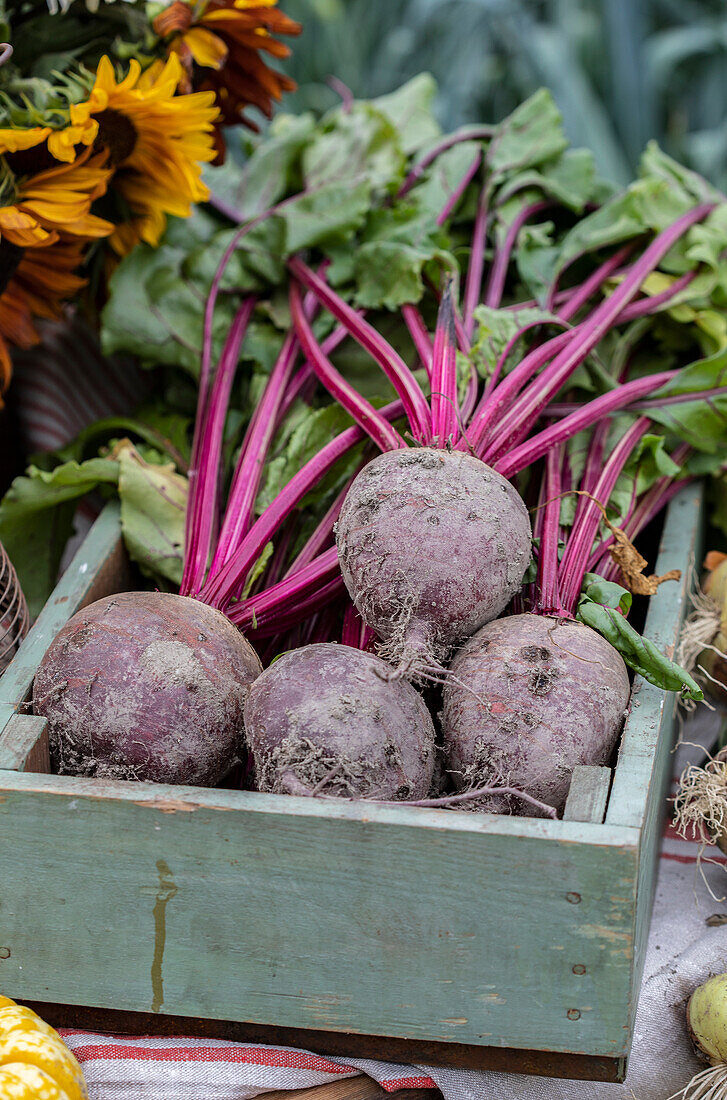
(34, 1063)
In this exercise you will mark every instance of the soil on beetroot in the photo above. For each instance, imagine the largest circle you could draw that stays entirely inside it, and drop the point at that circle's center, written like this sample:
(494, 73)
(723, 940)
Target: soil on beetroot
(530, 698)
(326, 719)
(432, 545)
(146, 686)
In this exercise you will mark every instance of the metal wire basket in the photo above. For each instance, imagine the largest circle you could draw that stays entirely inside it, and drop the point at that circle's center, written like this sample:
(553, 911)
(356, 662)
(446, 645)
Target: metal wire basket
(14, 617)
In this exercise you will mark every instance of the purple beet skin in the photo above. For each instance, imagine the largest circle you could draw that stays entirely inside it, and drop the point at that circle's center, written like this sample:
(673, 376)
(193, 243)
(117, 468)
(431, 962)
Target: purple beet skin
(326, 719)
(529, 698)
(148, 686)
(432, 545)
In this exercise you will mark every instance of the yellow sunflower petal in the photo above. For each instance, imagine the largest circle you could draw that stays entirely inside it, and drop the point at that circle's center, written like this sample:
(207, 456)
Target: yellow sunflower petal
(206, 48)
(62, 143)
(13, 141)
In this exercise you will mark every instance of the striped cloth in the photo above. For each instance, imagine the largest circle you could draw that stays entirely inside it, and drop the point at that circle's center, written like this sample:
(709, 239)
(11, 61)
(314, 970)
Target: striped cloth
(684, 949)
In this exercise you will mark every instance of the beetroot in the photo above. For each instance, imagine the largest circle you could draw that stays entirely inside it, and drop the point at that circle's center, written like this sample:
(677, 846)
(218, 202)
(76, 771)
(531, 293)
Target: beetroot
(530, 697)
(146, 685)
(432, 545)
(325, 719)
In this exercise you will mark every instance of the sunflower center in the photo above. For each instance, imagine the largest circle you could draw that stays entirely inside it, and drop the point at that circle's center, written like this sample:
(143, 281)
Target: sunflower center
(116, 134)
(10, 257)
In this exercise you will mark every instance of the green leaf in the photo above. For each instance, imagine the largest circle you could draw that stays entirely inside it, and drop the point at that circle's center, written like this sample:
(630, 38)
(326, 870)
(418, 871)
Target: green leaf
(531, 135)
(328, 215)
(606, 593)
(270, 172)
(495, 328)
(597, 608)
(36, 520)
(359, 144)
(443, 178)
(315, 428)
(257, 570)
(153, 504)
(570, 179)
(409, 109)
(702, 422)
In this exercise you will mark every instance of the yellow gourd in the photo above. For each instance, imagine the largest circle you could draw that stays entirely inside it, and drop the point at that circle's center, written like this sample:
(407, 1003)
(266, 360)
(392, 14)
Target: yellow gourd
(34, 1063)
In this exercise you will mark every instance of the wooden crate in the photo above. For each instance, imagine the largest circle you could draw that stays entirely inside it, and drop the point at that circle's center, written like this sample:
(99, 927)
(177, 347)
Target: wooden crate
(407, 934)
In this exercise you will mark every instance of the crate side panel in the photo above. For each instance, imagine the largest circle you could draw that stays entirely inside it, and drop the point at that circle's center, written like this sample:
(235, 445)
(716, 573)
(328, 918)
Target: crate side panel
(649, 720)
(638, 796)
(316, 921)
(99, 568)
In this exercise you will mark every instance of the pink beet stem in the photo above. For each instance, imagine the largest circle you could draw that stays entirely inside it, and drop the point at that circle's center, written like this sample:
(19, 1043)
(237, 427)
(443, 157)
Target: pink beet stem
(589, 287)
(519, 419)
(203, 503)
(501, 262)
(549, 599)
(575, 557)
(363, 412)
(445, 406)
(477, 133)
(219, 590)
(476, 266)
(583, 417)
(420, 337)
(393, 366)
(460, 189)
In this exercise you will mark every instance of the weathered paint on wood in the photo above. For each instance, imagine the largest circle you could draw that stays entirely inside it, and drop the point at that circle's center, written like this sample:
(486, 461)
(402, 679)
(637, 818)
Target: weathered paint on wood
(638, 794)
(99, 568)
(342, 918)
(415, 923)
(588, 794)
(24, 745)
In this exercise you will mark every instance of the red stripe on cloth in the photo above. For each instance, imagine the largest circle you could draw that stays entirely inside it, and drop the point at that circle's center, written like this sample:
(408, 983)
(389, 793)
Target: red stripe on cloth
(408, 1083)
(256, 1056)
(692, 859)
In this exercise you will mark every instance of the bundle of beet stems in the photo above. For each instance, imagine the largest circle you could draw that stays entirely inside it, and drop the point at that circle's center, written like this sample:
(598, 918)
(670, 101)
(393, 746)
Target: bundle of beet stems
(431, 541)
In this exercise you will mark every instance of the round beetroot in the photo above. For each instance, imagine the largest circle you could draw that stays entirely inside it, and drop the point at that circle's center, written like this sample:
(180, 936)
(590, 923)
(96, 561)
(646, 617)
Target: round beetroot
(325, 717)
(529, 697)
(432, 545)
(149, 686)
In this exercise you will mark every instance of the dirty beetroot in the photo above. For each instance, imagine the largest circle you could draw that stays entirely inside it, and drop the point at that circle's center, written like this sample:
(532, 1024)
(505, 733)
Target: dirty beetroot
(326, 719)
(146, 686)
(432, 545)
(529, 698)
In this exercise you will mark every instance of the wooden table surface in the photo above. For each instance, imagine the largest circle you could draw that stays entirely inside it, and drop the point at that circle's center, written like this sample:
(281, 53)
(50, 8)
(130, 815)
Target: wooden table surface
(353, 1088)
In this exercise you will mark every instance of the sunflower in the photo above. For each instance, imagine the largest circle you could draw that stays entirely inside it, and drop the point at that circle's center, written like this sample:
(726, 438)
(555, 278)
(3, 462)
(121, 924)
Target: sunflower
(155, 142)
(45, 226)
(225, 39)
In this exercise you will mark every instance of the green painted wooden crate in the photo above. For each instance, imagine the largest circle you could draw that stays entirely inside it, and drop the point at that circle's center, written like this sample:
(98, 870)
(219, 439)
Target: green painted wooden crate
(403, 933)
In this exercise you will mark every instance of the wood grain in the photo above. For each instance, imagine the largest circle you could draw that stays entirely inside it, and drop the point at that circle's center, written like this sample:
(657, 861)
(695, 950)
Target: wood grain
(588, 794)
(24, 745)
(417, 924)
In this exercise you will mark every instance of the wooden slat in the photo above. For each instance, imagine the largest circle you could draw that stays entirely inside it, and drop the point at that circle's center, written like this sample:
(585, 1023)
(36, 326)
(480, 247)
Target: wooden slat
(99, 568)
(24, 745)
(588, 794)
(641, 778)
(417, 924)
(331, 1044)
(649, 722)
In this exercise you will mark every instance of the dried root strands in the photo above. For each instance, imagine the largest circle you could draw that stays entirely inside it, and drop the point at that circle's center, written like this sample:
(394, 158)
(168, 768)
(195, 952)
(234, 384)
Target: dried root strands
(700, 806)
